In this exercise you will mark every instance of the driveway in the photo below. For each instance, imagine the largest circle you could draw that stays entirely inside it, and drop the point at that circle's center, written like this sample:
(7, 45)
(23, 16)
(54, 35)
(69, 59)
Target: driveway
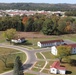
(31, 58)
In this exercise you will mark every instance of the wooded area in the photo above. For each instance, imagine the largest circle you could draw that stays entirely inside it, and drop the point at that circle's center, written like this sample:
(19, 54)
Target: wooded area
(38, 6)
(40, 23)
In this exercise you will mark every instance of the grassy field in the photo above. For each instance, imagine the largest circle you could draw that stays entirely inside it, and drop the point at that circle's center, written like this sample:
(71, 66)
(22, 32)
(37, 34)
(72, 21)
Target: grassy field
(34, 37)
(39, 56)
(48, 55)
(71, 69)
(29, 74)
(11, 58)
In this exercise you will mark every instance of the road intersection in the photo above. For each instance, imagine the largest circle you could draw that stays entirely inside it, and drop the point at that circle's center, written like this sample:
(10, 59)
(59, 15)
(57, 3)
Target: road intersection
(31, 56)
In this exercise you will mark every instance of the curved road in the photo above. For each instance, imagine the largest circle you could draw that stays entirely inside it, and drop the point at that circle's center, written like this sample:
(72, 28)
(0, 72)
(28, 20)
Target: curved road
(31, 58)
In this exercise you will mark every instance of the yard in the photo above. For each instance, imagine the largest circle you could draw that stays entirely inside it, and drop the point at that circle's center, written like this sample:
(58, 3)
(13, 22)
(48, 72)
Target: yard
(28, 74)
(71, 70)
(11, 58)
(34, 37)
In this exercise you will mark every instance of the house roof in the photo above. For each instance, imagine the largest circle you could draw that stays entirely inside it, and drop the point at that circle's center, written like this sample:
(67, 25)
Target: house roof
(56, 65)
(72, 45)
(51, 41)
(16, 38)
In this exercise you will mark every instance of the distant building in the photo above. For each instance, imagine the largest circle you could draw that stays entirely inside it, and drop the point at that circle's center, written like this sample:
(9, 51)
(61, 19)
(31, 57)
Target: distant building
(54, 50)
(18, 40)
(73, 48)
(50, 43)
(55, 68)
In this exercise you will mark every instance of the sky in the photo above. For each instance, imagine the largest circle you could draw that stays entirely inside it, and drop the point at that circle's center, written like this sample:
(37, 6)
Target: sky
(39, 1)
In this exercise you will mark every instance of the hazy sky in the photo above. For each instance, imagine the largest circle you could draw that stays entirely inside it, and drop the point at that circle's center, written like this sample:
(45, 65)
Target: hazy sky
(38, 1)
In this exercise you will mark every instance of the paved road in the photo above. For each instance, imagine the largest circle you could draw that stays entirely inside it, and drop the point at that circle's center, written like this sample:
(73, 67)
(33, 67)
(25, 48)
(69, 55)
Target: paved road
(30, 54)
(67, 41)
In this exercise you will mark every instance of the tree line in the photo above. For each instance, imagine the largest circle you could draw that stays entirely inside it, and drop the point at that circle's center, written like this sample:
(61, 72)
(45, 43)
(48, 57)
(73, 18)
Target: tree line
(40, 23)
(38, 6)
(70, 13)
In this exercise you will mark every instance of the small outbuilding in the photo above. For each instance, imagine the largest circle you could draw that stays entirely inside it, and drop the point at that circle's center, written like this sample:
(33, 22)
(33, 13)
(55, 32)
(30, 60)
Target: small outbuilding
(50, 43)
(55, 68)
(18, 40)
(54, 50)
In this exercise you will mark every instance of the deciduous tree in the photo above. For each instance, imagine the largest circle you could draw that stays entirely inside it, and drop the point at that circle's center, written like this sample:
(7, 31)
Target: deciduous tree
(63, 52)
(9, 34)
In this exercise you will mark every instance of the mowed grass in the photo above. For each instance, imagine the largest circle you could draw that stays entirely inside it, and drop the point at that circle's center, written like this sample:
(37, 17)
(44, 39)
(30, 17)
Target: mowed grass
(29, 74)
(71, 69)
(48, 55)
(10, 60)
(40, 64)
(34, 37)
(39, 56)
(37, 67)
(34, 41)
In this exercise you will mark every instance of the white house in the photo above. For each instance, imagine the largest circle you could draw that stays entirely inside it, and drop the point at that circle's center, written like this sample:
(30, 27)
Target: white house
(55, 68)
(50, 43)
(54, 50)
(18, 40)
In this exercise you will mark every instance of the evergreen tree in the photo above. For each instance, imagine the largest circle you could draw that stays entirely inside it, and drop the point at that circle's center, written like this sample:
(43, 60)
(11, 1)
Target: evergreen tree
(18, 67)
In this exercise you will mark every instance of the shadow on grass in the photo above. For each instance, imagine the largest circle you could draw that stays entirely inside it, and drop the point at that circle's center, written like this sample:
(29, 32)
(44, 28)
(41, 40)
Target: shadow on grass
(23, 43)
(10, 65)
(73, 62)
(27, 66)
(68, 72)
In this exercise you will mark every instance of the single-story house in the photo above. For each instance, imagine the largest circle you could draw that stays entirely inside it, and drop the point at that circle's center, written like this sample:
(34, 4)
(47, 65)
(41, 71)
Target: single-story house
(55, 68)
(50, 43)
(73, 49)
(18, 40)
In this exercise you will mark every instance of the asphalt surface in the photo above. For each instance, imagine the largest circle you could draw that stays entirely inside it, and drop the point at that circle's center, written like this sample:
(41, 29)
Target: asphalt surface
(31, 58)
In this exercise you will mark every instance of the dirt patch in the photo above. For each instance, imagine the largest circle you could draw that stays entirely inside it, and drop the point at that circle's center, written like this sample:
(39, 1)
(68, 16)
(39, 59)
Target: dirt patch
(32, 35)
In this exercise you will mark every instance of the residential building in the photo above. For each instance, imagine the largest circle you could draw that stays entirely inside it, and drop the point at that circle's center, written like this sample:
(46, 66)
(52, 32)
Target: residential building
(50, 43)
(54, 50)
(18, 40)
(55, 68)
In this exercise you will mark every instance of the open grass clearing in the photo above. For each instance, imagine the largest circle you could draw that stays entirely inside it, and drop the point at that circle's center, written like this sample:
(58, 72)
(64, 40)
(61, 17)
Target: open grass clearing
(37, 67)
(49, 64)
(46, 71)
(11, 58)
(48, 55)
(73, 56)
(34, 37)
(29, 74)
(40, 64)
(39, 56)
(69, 68)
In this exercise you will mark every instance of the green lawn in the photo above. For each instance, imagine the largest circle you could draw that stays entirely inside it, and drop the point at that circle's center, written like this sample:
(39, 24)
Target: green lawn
(32, 42)
(39, 56)
(11, 58)
(48, 55)
(37, 67)
(40, 64)
(73, 57)
(29, 74)
(49, 64)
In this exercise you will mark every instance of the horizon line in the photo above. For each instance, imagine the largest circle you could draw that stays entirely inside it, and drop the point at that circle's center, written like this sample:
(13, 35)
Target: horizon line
(37, 2)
